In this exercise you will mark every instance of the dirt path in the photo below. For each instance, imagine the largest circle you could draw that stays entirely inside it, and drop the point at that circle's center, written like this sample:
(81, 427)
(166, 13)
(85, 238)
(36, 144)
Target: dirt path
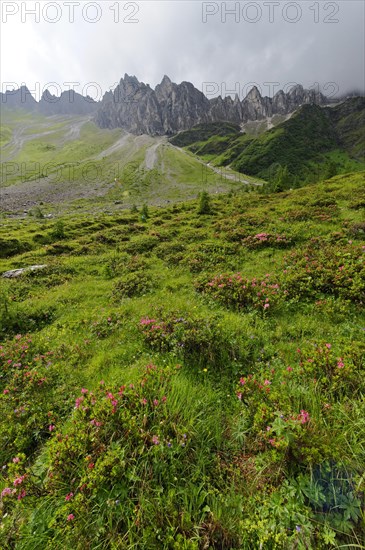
(20, 137)
(151, 155)
(13, 148)
(113, 148)
(75, 129)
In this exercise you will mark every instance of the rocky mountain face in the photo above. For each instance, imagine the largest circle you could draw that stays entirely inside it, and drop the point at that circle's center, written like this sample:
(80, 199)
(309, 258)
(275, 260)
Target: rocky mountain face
(18, 99)
(165, 110)
(69, 103)
(171, 108)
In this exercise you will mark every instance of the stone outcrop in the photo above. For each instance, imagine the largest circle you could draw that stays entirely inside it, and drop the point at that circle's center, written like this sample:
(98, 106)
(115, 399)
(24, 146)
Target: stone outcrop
(69, 103)
(171, 108)
(165, 110)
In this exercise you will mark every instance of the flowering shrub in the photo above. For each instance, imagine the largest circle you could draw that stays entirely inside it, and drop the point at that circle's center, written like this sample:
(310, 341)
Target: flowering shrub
(199, 341)
(32, 397)
(262, 240)
(105, 326)
(238, 291)
(274, 424)
(326, 269)
(337, 373)
(123, 442)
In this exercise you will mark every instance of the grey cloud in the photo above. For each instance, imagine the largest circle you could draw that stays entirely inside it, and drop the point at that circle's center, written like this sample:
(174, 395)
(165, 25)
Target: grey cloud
(171, 38)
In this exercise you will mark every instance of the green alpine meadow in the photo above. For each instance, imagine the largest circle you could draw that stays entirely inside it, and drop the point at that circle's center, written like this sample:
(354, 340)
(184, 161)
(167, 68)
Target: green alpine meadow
(182, 359)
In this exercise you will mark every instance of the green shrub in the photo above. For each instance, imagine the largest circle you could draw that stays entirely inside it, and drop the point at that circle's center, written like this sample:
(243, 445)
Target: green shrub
(133, 284)
(141, 244)
(200, 341)
(12, 247)
(204, 204)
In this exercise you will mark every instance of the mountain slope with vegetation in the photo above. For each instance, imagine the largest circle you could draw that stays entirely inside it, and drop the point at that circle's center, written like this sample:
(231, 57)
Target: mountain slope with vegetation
(186, 377)
(313, 144)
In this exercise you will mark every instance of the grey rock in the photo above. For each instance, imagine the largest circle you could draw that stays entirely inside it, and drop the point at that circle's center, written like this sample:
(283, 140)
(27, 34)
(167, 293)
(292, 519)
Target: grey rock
(171, 108)
(168, 109)
(18, 99)
(12, 274)
(69, 103)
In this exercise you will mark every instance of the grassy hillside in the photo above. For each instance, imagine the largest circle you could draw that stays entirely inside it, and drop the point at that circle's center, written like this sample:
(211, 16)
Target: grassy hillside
(184, 381)
(313, 144)
(203, 132)
(62, 159)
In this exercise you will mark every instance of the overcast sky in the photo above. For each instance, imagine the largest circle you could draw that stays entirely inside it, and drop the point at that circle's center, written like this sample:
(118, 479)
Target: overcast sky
(269, 43)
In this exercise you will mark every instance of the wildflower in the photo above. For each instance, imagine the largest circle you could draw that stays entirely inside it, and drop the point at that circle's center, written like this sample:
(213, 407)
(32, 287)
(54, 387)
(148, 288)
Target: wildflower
(304, 416)
(289, 369)
(155, 402)
(155, 440)
(328, 346)
(266, 306)
(78, 402)
(91, 465)
(5, 392)
(94, 422)
(6, 492)
(242, 381)
(144, 401)
(84, 390)
(51, 427)
(239, 395)
(22, 494)
(267, 382)
(164, 399)
(298, 528)
(340, 363)
(70, 517)
(16, 460)
(19, 480)
(69, 496)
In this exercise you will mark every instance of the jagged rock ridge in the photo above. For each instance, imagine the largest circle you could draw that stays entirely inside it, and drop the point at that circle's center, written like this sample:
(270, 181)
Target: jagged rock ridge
(68, 103)
(165, 110)
(171, 108)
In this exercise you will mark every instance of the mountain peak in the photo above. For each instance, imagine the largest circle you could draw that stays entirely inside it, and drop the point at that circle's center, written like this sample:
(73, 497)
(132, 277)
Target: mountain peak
(254, 93)
(130, 79)
(166, 80)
